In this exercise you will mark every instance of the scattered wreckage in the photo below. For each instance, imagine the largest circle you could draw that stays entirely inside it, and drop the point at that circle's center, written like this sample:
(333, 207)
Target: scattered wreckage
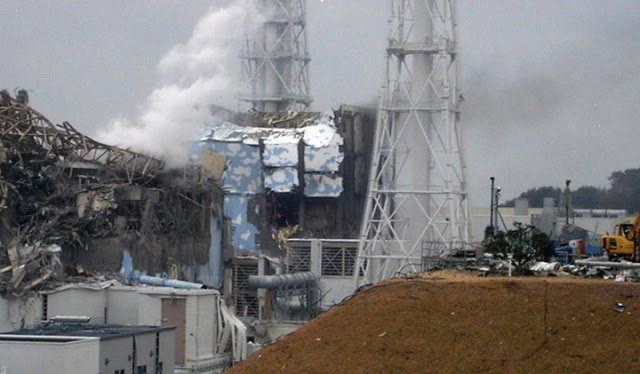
(591, 267)
(60, 191)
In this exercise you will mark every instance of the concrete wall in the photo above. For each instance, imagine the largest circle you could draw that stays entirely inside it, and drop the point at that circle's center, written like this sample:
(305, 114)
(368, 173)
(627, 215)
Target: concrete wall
(201, 327)
(357, 126)
(78, 302)
(42, 355)
(480, 220)
(15, 312)
(598, 225)
(167, 350)
(241, 181)
(115, 353)
(6, 324)
(122, 306)
(149, 309)
(334, 290)
(201, 318)
(210, 273)
(103, 254)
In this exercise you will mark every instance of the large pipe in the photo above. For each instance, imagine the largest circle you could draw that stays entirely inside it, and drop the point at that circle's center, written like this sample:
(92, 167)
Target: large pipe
(274, 282)
(166, 282)
(622, 265)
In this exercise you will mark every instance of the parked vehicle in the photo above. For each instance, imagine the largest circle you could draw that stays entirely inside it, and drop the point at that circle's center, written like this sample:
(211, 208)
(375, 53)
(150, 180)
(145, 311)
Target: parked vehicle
(624, 242)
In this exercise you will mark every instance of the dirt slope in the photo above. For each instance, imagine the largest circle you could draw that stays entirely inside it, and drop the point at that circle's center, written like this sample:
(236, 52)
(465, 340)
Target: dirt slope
(455, 323)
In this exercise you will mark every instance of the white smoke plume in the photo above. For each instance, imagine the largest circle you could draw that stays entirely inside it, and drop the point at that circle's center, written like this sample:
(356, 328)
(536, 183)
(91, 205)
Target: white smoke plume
(194, 75)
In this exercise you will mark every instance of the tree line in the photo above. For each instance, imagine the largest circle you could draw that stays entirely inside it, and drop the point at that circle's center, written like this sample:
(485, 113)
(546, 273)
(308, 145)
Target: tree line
(623, 193)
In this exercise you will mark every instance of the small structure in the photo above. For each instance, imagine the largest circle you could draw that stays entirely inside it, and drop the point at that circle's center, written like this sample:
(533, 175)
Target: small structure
(70, 345)
(207, 337)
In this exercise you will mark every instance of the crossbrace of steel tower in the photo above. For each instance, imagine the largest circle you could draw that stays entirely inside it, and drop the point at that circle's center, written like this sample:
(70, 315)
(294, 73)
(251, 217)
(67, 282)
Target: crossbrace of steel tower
(275, 60)
(417, 204)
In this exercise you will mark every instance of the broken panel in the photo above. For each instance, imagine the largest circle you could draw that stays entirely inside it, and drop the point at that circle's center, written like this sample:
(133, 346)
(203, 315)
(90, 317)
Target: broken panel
(322, 185)
(243, 169)
(324, 159)
(281, 179)
(280, 155)
(236, 208)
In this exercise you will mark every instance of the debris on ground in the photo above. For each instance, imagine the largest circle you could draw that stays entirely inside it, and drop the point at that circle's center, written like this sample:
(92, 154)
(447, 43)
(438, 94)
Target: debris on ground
(590, 267)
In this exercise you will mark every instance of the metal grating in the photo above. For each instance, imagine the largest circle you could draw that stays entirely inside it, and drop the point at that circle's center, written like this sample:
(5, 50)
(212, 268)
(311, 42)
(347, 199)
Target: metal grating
(339, 260)
(275, 60)
(417, 182)
(298, 256)
(246, 299)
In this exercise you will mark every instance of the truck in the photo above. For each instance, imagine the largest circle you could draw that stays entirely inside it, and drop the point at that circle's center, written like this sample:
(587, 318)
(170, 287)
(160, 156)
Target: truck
(624, 242)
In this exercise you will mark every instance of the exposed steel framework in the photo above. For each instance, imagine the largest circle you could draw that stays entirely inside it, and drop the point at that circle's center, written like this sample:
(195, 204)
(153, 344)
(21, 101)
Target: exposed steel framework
(275, 61)
(417, 204)
(24, 130)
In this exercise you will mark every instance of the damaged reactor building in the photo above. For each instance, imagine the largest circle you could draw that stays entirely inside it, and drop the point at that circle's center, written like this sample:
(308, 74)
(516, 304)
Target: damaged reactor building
(259, 232)
(290, 178)
(267, 213)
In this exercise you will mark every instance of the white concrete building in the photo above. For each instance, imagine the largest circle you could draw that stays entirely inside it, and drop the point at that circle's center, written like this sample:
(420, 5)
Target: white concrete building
(207, 336)
(549, 219)
(71, 347)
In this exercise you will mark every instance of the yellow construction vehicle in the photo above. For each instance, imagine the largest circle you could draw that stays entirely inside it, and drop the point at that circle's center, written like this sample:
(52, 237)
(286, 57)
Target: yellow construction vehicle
(625, 241)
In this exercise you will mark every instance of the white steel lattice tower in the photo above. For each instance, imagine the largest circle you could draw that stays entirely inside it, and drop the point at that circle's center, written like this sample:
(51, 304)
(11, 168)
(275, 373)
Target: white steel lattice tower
(275, 60)
(417, 203)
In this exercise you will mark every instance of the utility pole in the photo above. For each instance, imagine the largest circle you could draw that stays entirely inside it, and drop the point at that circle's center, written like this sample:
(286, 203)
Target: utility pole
(492, 222)
(275, 61)
(417, 202)
(567, 201)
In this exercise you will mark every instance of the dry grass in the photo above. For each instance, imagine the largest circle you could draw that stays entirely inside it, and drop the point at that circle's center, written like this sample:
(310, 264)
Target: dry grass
(458, 323)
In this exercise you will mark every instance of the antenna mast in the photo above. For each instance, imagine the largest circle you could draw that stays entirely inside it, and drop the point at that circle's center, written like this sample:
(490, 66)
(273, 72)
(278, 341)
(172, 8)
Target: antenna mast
(417, 204)
(275, 61)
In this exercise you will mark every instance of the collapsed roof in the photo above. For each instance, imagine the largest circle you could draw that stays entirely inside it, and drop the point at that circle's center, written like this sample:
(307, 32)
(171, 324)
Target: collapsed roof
(24, 130)
(70, 205)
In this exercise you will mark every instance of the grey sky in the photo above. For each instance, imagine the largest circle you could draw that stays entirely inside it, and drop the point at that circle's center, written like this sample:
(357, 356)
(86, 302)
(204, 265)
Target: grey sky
(551, 87)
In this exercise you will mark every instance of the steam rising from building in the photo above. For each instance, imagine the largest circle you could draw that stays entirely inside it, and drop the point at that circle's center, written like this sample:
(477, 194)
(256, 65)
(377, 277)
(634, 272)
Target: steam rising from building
(193, 76)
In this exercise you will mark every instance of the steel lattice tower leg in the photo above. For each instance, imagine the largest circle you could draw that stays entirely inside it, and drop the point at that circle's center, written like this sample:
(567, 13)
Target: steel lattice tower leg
(275, 61)
(417, 202)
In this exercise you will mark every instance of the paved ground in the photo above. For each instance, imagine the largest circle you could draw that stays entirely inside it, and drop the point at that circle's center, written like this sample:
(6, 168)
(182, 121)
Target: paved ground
(460, 323)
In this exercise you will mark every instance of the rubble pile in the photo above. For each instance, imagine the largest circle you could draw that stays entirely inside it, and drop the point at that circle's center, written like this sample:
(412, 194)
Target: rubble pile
(60, 191)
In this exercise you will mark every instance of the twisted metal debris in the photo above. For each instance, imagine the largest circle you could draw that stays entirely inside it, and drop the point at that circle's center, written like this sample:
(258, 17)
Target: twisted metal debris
(24, 130)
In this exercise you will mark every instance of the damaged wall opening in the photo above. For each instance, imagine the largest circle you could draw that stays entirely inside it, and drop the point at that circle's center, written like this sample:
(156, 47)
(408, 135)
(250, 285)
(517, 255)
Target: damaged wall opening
(283, 209)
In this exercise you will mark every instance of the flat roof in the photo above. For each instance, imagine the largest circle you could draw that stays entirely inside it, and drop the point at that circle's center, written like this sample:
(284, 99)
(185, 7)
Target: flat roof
(43, 339)
(104, 332)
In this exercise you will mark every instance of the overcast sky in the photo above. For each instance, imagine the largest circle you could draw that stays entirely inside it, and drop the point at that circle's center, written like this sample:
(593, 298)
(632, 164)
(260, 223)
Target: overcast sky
(551, 87)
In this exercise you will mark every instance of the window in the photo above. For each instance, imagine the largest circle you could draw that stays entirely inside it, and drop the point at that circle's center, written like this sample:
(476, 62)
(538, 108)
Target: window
(142, 369)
